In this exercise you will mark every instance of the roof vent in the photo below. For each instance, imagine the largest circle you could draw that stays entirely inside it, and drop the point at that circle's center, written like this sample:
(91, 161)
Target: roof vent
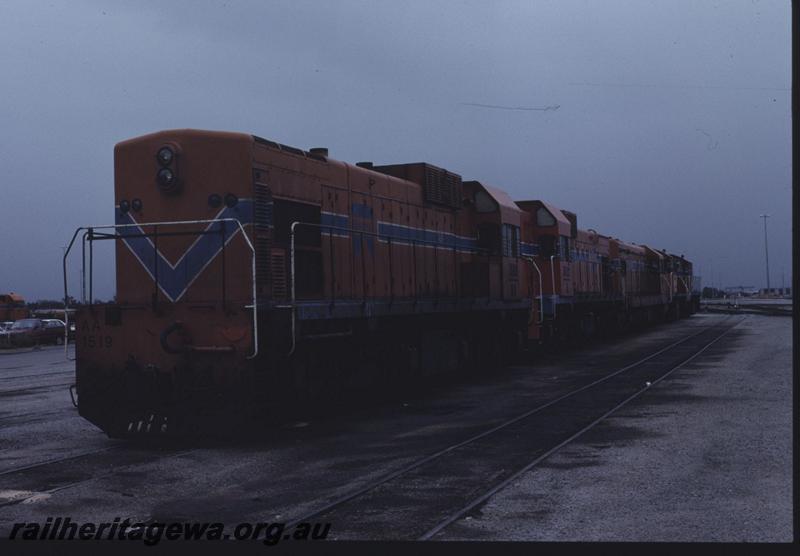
(364, 164)
(322, 151)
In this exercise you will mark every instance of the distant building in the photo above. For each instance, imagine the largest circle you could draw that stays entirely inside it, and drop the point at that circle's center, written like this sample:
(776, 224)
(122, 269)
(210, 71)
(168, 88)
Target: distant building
(51, 313)
(743, 291)
(775, 292)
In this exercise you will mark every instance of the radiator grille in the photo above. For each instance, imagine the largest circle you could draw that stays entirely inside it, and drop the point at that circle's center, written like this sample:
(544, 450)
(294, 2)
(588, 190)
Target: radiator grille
(442, 187)
(262, 212)
(280, 282)
(262, 259)
(263, 224)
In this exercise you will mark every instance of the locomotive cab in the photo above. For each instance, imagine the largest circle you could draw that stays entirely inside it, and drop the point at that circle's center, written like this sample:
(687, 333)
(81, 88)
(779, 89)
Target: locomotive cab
(552, 231)
(182, 329)
(498, 223)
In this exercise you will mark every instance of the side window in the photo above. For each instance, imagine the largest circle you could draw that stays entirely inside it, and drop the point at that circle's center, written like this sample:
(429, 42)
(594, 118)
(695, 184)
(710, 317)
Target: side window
(510, 240)
(564, 248)
(544, 218)
(484, 203)
(515, 241)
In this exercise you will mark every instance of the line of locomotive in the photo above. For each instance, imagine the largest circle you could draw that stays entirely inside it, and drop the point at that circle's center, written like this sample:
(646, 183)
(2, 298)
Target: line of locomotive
(249, 272)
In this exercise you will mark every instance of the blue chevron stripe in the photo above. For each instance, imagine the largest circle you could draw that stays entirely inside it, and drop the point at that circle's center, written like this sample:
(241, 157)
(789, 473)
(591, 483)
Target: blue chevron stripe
(175, 279)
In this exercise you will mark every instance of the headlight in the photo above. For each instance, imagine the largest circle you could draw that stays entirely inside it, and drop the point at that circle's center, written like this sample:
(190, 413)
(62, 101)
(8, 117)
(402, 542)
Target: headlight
(231, 200)
(165, 156)
(124, 206)
(166, 178)
(136, 205)
(214, 200)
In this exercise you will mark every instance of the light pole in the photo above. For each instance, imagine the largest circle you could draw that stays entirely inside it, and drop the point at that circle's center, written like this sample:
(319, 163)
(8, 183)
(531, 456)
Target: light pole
(766, 247)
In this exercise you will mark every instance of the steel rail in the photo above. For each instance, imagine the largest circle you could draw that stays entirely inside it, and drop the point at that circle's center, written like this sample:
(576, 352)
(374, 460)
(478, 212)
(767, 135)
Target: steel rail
(35, 375)
(56, 460)
(31, 389)
(65, 486)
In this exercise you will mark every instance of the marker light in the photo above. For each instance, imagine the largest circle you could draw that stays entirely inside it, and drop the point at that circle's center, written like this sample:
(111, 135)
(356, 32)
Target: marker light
(165, 156)
(124, 206)
(231, 200)
(136, 205)
(166, 178)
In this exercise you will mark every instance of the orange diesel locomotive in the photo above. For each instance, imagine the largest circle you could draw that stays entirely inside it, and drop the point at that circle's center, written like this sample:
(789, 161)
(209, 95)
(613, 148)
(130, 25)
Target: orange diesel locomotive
(251, 273)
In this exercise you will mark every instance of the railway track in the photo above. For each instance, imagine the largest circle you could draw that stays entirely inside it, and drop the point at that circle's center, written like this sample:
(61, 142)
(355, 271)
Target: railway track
(37, 375)
(32, 417)
(423, 498)
(41, 464)
(26, 390)
(41, 480)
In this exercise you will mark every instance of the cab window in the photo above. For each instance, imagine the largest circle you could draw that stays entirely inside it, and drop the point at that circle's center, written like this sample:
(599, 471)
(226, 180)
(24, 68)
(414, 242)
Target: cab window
(484, 202)
(544, 218)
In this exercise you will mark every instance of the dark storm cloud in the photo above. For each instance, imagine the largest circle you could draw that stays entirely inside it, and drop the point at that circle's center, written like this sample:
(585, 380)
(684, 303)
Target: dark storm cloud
(671, 126)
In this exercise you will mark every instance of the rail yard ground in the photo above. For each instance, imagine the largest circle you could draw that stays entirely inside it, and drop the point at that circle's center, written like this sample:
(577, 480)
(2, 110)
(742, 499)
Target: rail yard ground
(745, 305)
(572, 446)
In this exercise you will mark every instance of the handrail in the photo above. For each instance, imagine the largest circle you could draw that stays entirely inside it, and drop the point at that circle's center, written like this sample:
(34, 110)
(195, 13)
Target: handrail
(541, 288)
(291, 280)
(553, 278)
(90, 230)
(685, 284)
(669, 286)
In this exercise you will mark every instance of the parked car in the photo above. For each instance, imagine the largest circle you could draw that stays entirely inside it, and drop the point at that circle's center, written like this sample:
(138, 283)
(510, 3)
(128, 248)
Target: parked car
(59, 325)
(27, 332)
(5, 327)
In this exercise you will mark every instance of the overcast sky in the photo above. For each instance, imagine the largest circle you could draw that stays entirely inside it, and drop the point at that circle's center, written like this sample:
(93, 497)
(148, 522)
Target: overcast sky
(666, 122)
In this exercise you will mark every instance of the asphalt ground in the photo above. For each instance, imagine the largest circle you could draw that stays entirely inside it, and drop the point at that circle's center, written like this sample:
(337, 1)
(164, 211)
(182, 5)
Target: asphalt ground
(703, 455)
